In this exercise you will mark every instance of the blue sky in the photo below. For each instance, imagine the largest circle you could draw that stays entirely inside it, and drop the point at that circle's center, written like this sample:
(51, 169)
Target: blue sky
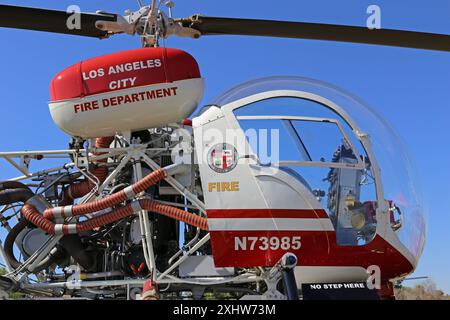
(408, 87)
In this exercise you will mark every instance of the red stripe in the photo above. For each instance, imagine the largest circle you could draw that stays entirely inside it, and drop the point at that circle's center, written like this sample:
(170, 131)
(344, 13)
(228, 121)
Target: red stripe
(267, 213)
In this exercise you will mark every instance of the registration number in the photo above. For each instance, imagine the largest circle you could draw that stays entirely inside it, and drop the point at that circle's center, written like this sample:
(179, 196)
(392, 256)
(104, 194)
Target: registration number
(267, 243)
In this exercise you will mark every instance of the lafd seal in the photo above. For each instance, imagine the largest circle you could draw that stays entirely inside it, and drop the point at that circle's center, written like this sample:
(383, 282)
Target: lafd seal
(222, 157)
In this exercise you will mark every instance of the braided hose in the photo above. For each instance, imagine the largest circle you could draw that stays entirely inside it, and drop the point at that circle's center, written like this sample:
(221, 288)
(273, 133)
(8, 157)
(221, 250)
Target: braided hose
(174, 213)
(80, 189)
(107, 202)
(31, 214)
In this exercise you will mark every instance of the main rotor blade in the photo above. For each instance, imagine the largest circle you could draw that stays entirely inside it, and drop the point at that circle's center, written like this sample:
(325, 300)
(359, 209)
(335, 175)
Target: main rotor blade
(53, 21)
(303, 30)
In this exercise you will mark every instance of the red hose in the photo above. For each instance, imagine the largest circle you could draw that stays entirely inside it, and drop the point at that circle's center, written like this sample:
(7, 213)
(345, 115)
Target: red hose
(80, 189)
(110, 201)
(174, 213)
(31, 214)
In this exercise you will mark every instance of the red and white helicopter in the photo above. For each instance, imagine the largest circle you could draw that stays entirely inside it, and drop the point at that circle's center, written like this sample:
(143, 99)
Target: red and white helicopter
(148, 204)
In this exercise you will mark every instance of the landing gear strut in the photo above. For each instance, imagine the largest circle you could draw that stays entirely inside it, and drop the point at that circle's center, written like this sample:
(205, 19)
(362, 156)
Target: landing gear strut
(287, 264)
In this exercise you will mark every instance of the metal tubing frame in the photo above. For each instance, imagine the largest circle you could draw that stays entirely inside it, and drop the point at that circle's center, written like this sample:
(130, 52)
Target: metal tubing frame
(146, 235)
(197, 246)
(244, 278)
(176, 185)
(136, 152)
(31, 263)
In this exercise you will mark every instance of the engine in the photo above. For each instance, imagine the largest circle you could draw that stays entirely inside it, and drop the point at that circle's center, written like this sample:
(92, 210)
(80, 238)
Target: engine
(94, 246)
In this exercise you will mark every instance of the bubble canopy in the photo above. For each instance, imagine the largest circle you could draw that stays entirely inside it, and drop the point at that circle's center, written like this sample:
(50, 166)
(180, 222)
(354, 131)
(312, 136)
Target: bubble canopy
(396, 174)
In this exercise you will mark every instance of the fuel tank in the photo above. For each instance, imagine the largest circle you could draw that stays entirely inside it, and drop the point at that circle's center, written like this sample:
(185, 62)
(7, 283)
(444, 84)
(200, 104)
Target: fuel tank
(125, 91)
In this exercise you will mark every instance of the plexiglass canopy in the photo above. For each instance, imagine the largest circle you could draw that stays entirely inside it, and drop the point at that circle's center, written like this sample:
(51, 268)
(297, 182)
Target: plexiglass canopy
(397, 174)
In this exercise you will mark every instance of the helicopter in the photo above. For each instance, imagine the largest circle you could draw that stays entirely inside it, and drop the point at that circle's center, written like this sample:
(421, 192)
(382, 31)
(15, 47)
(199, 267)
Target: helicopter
(150, 204)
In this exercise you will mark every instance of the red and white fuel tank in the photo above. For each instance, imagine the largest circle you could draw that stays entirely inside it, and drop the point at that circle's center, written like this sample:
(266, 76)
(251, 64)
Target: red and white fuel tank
(126, 91)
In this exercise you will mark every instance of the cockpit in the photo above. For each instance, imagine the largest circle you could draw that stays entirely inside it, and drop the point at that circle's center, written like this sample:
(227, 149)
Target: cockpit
(337, 147)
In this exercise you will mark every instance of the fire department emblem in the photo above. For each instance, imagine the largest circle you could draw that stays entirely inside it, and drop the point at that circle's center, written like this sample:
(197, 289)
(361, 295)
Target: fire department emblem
(222, 157)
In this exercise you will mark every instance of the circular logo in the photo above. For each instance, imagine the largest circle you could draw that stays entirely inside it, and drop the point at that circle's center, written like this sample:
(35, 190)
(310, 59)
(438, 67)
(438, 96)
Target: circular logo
(222, 157)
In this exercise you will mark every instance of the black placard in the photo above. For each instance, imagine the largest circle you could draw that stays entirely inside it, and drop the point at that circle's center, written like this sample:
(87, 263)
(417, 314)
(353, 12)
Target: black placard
(338, 291)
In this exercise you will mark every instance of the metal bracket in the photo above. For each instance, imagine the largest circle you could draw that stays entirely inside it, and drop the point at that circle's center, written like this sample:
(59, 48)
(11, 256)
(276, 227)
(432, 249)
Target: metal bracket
(172, 27)
(23, 166)
(282, 270)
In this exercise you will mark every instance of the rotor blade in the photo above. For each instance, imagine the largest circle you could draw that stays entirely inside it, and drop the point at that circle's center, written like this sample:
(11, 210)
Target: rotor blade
(303, 30)
(53, 21)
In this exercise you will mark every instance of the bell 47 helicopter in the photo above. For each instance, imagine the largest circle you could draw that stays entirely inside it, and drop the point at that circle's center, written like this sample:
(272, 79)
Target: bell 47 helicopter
(147, 203)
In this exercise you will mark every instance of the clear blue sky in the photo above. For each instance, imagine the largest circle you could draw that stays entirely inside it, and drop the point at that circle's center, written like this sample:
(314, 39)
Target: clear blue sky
(411, 88)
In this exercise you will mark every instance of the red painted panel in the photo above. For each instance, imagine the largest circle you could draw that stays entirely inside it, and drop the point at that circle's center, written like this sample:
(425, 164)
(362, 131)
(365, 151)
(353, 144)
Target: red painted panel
(318, 248)
(226, 255)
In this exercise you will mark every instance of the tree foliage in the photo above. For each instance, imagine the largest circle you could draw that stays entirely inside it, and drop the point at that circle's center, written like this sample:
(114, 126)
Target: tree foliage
(427, 290)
